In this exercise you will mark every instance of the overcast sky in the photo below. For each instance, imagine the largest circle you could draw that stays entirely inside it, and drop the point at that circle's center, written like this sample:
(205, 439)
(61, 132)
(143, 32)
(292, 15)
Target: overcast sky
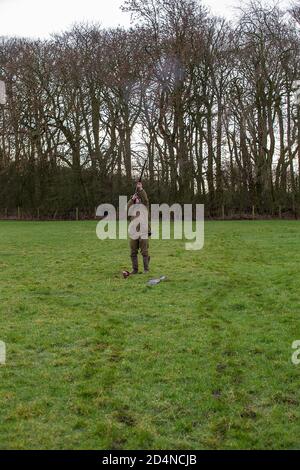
(40, 18)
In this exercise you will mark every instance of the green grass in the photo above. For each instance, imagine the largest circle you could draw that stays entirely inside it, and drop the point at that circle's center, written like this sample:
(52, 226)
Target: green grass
(202, 361)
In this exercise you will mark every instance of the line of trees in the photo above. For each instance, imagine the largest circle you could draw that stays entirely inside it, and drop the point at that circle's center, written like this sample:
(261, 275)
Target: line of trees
(210, 104)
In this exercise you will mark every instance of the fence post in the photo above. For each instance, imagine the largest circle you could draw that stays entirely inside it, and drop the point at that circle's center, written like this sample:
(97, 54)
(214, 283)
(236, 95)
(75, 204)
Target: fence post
(6, 212)
(76, 213)
(19, 213)
(253, 212)
(279, 212)
(223, 212)
(38, 212)
(294, 209)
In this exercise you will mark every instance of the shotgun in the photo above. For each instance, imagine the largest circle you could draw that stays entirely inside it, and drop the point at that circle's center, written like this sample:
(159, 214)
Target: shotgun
(142, 172)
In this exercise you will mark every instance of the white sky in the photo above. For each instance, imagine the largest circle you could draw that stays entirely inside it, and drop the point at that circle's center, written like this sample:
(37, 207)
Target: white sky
(40, 18)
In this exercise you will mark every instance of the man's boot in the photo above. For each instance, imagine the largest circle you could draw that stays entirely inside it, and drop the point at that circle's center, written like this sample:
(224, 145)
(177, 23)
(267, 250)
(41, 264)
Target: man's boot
(146, 264)
(135, 266)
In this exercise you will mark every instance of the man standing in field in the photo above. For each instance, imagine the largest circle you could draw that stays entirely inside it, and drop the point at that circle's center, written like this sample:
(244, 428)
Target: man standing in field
(142, 242)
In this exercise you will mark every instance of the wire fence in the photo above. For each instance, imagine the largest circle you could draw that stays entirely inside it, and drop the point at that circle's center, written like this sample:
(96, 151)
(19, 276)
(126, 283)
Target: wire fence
(77, 214)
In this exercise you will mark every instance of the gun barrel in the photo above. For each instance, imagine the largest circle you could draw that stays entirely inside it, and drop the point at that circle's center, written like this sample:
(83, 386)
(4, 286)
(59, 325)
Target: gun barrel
(143, 169)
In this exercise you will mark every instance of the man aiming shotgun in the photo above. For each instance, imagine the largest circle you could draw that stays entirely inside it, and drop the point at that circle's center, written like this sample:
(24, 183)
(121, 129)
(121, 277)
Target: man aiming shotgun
(141, 243)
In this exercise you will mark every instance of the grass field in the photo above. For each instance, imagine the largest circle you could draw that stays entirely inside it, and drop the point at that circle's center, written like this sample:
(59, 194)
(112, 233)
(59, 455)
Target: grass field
(202, 361)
